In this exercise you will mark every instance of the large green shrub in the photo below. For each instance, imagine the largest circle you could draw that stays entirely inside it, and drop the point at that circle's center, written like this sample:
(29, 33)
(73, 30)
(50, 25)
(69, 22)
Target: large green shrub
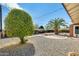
(18, 23)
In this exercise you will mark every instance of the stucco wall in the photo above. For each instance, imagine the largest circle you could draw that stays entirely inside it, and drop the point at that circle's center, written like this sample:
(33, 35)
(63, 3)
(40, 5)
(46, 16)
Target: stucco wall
(71, 30)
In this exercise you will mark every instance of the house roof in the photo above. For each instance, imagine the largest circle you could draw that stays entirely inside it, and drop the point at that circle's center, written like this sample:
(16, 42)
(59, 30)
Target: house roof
(73, 11)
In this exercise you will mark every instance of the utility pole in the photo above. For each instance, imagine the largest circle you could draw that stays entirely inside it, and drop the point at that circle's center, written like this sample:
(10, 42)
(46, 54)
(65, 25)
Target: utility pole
(0, 20)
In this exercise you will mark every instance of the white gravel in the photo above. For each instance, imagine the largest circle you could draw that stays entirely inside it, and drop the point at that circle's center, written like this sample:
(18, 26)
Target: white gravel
(9, 41)
(40, 45)
(54, 47)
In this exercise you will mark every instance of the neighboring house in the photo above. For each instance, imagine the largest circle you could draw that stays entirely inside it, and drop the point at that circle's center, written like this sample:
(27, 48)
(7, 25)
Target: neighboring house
(73, 11)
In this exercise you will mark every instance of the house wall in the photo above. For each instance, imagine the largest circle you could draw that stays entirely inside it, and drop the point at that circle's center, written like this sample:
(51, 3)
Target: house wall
(72, 29)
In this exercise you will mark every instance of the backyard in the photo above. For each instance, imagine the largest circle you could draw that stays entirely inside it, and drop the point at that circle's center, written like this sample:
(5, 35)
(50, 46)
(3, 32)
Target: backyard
(38, 30)
(43, 45)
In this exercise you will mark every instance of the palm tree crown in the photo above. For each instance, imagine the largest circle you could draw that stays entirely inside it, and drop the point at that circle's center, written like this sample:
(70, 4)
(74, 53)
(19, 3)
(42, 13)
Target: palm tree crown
(56, 24)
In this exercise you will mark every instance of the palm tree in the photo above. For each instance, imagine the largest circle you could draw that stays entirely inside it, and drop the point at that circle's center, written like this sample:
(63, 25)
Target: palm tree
(56, 23)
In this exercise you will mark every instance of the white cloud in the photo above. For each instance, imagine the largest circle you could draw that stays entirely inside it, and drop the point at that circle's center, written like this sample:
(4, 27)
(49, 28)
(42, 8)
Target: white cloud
(12, 5)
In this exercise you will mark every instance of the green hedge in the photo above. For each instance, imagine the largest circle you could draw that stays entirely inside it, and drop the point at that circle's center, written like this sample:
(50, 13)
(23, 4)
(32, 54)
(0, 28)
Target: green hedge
(64, 31)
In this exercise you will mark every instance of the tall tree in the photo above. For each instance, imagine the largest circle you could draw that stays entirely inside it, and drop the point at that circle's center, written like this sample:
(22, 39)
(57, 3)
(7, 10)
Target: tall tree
(19, 23)
(41, 27)
(36, 26)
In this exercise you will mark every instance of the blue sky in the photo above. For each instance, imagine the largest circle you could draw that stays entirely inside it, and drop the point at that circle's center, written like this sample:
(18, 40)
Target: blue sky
(41, 12)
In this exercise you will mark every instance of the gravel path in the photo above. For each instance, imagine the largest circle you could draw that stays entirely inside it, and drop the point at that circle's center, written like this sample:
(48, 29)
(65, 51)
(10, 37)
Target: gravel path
(41, 45)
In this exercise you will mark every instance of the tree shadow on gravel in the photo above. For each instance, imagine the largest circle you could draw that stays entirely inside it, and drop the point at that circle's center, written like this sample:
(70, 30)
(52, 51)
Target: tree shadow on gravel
(27, 49)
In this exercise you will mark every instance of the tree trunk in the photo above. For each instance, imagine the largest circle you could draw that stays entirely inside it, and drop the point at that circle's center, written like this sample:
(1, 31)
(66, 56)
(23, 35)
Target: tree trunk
(22, 40)
(56, 31)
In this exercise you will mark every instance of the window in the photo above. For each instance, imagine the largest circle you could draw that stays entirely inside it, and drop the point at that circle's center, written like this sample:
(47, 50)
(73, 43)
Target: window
(77, 30)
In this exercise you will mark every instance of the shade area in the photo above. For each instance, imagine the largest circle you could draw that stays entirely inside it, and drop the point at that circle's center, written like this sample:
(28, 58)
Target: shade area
(73, 11)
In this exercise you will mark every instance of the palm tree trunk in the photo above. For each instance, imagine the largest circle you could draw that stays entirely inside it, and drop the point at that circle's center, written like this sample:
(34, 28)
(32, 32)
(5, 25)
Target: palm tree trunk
(56, 31)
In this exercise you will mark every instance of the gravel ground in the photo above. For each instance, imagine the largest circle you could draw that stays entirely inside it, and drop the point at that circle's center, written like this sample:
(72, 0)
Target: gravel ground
(18, 50)
(54, 47)
(41, 45)
(9, 41)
